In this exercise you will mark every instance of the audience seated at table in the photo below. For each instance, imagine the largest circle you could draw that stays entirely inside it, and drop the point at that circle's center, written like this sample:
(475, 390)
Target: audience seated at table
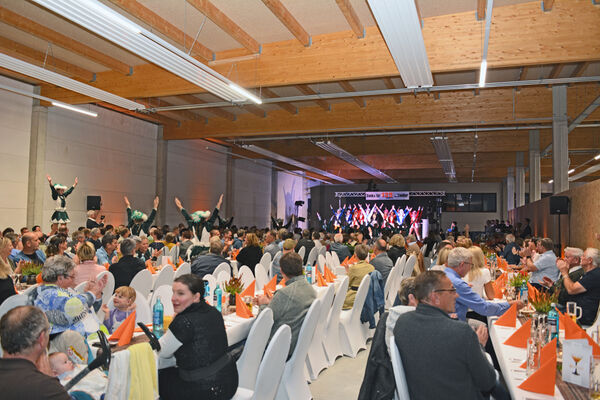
(479, 276)
(356, 273)
(207, 263)
(31, 250)
(288, 247)
(396, 247)
(573, 261)
(7, 287)
(107, 254)
(290, 303)
(128, 266)
(251, 253)
(197, 340)
(87, 269)
(544, 266)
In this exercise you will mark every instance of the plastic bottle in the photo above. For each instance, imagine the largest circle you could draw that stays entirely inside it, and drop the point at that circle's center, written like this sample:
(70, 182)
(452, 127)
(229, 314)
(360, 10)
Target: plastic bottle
(218, 298)
(524, 293)
(533, 350)
(207, 297)
(553, 322)
(309, 273)
(157, 318)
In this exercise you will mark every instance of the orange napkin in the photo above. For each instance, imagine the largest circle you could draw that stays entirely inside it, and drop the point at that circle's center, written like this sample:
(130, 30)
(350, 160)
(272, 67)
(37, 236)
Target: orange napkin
(272, 285)
(329, 276)
(497, 290)
(353, 260)
(180, 261)
(124, 332)
(320, 281)
(106, 265)
(150, 267)
(574, 331)
(520, 336)
(249, 291)
(509, 318)
(548, 351)
(532, 291)
(38, 279)
(345, 262)
(282, 282)
(170, 262)
(543, 380)
(240, 308)
(235, 253)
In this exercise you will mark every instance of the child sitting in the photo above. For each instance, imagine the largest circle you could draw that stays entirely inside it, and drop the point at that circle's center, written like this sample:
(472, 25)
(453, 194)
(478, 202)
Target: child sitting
(93, 384)
(124, 302)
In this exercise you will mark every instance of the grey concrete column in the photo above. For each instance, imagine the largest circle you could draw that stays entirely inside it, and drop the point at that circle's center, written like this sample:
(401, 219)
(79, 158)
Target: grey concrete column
(510, 189)
(36, 181)
(560, 141)
(229, 195)
(520, 179)
(535, 179)
(273, 211)
(162, 148)
(504, 198)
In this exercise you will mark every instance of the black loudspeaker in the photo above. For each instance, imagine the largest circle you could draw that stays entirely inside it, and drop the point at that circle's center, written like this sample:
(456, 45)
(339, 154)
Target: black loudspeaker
(559, 205)
(94, 202)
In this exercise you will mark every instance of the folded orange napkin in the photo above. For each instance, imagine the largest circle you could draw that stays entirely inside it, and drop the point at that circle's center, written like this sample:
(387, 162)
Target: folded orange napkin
(241, 310)
(249, 291)
(320, 281)
(235, 253)
(548, 351)
(124, 332)
(509, 318)
(180, 261)
(520, 336)
(353, 260)
(106, 265)
(497, 290)
(272, 285)
(329, 276)
(543, 380)
(574, 331)
(170, 262)
(345, 262)
(282, 282)
(38, 279)
(532, 291)
(150, 267)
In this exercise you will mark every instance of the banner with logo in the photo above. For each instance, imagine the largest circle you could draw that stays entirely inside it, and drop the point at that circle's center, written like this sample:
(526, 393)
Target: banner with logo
(387, 196)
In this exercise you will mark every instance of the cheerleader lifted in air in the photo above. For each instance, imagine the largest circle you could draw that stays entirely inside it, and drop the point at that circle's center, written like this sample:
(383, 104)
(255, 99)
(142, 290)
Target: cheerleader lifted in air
(59, 194)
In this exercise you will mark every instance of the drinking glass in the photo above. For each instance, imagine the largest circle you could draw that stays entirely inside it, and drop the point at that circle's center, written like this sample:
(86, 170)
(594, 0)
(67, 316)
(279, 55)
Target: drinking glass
(248, 301)
(573, 310)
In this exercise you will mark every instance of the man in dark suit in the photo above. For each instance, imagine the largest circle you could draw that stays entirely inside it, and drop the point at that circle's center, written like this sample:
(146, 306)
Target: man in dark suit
(128, 266)
(442, 357)
(305, 242)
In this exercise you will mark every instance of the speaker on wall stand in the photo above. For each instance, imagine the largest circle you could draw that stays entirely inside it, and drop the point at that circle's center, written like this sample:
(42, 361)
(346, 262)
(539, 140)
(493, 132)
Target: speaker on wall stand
(559, 205)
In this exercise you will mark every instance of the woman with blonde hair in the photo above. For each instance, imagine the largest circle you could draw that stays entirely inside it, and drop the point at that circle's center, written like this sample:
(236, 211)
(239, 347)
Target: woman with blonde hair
(414, 249)
(397, 247)
(7, 287)
(251, 253)
(479, 276)
(87, 269)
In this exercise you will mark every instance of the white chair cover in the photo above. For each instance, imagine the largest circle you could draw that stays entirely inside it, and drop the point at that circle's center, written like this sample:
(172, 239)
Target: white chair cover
(271, 368)
(142, 282)
(265, 260)
(212, 285)
(246, 275)
(388, 294)
(107, 292)
(293, 385)
(165, 277)
(223, 277)
(249, 361)
(165, 292)
(184, 269)
(335, 260)
(400, 378)
(400, 262)
(270, 270)
(322, 251)
(302, 252)
(80, 288)
(316, 360)
(13, 301)
(261, 276)
(312, 256)
(222, 267)
(409, 266)
(321, 263)
(331, 343)
(143, 313)
(595, 325)
(30, 289)
(351, 331)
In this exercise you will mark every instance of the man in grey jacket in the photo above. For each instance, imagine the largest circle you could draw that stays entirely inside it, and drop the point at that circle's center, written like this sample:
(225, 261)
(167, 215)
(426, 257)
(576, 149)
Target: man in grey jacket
(381, 261)
(290, 303)
(442, 357)
(340, 248)
(207, 263)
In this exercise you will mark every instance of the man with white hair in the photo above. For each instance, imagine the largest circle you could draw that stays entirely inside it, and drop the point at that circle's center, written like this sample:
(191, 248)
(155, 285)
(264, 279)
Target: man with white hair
(92, 220)
(459, 264)
(585, 292)
(573, 260)
(339, 247)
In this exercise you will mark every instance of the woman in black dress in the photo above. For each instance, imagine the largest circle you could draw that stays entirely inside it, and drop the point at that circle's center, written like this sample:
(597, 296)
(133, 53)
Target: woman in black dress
(197, 339)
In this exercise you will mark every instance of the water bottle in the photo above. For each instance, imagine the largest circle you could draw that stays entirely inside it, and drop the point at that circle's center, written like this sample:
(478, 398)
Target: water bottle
(218, 298)
(533, 350)
(309, 273)
(157, 318)
(524, 293)
(207, 297)
(553, 322)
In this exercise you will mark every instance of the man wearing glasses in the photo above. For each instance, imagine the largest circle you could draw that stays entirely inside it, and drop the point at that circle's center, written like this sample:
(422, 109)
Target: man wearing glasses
(448, 350)
(459, 264)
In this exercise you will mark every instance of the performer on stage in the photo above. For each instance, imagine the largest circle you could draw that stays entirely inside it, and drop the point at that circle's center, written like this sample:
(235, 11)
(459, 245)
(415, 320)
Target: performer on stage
(200, 219)
(336, 219)
(415, 221)
(59, 194)
(400, 215)
(139, 222)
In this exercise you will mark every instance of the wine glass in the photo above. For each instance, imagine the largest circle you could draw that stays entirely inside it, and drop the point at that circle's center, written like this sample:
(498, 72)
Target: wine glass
(576, 359)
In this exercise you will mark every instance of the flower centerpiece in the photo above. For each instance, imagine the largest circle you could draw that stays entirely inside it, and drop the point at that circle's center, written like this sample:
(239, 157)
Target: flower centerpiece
(30, 270)
(519, 279)
(542, 300)
(233, 287)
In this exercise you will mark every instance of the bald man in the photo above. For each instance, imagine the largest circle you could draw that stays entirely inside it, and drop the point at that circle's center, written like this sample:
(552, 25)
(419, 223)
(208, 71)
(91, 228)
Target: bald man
(31, 250)
(381, 261)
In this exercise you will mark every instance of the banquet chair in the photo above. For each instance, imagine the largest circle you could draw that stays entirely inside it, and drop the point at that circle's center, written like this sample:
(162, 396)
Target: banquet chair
(328, 259)
(223, 278)
(409, 266)
(249, 361)
(11, 302)
(265, 260)
(222, 267)
(246, 275)
(142, 282)
(261, 276)
(172, 254)
(322, 251)
(30, 289)
(401, 392)
(165, 277)
(81, 287)
(120, 384)
(351, 332)
(270, 270)
(390, 284)
(143, 313)
(316, 360)
(595, 325)
(331, 342)
(165, 292)
(271, 368)
(293, 385)
(312, 256)
(400, 262)
(212, 285)
(107, 292)
(184, 269)
(302, 251)
(335, 260)
(321, 263)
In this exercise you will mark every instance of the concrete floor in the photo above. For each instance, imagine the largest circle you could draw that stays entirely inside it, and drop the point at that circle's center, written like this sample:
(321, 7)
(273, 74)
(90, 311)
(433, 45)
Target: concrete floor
(341, 381)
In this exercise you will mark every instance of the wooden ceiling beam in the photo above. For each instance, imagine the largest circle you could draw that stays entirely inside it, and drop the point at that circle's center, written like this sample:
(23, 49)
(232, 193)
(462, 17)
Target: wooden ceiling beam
(352, 18)
(252, 109)
(225, 23)
(547, 5)
(266, 92)
(556, 70)
(219, 112)
(68, 43)
(347, 87)
(39, 58)
(163, 26)
(480, 14)
(287, 19)
(390, 85)
(580, 69)
(307, 90)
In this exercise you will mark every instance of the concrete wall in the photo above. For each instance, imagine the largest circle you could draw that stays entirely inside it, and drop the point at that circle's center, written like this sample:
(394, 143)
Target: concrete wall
(251, 193)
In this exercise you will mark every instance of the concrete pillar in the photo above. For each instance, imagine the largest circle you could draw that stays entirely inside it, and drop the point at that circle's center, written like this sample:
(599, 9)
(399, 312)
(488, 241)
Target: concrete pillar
(535, 178)
(274, 183)
(37, 186)
(510, 189)
(560, 141)
(520, 179)
(162, 147)
(229, 186)
(504, 198)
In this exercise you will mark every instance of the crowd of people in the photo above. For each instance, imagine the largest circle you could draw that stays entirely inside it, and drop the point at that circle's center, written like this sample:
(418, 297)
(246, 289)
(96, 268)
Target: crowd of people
(451, 285)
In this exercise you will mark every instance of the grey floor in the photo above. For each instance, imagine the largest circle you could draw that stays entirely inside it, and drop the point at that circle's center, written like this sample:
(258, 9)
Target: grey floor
(341, 381)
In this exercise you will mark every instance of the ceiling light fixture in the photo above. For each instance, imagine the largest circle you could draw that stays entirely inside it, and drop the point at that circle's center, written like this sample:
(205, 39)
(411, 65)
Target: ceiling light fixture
(551, 181)
(488, 25)
(34, 71)
(353, 160)
(571, 171)
(293, 162)
(76, 109)
(597, 157)
(442, 149)
(109, 24)
(399, 23)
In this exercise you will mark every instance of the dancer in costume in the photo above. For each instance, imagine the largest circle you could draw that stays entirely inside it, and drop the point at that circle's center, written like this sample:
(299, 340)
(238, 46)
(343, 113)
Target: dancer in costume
(200, 219)
(336, 219)
(415, 221)
(139, 222)
(400, 216)
(59, 194)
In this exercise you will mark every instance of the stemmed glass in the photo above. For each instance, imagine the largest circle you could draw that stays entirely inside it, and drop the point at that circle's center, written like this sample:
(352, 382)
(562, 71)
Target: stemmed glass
(576, 359)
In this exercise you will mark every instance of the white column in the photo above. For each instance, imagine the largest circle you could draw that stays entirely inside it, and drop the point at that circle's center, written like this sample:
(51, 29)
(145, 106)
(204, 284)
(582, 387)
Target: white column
(510, 189)
(535, 192)
(520, 179)
(37, 162)
(560, 141)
